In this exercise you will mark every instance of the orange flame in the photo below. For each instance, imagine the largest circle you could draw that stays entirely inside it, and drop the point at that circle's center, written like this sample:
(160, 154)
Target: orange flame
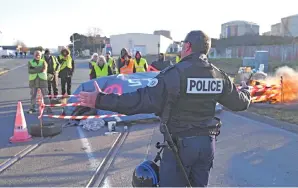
(282, 87)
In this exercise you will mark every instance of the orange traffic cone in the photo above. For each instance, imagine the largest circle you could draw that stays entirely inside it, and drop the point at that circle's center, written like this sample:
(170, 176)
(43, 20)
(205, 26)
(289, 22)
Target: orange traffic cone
(20, 133)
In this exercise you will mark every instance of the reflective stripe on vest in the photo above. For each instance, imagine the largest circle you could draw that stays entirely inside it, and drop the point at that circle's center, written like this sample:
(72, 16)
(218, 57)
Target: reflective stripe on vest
(54, 60)
(92, 64)
(66, 62)
(42, 75)
(101, 71)
(177, 59)
(127, 69)
(140, 67)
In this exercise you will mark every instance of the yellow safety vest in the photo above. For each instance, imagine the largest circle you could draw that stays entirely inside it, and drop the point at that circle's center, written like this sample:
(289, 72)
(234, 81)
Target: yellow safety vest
(177, 59)
(141, 66)
(66, 63)
(42, 75)
(92, 64)
(110, 62)
(101, 71)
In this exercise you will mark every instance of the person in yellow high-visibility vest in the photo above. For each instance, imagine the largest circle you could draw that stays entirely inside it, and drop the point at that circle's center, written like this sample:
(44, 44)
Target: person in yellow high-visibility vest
(92, 62)
(111, 62)
(37, 69)
(66, 70)
(178, 58)
(53, 70)
(140, 63)
(101, 68)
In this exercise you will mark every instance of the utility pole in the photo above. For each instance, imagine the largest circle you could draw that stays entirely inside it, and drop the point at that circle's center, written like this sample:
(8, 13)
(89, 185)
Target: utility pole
(73, 47)
(0, 37)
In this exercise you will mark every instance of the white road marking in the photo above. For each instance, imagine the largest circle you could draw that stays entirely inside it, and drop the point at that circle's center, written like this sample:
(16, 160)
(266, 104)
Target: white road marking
(88, 150)
(14, 68)
(17, 67)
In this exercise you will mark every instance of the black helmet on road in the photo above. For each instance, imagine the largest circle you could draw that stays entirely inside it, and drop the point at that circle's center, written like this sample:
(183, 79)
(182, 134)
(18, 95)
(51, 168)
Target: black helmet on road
(200, 42)
(146, 174)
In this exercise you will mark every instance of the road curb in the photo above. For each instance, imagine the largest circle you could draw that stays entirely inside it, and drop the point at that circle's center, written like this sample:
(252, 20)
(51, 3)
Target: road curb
(270, 121)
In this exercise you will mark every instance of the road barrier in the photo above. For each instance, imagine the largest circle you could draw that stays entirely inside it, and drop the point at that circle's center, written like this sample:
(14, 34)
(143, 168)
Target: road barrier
(84, 117)
(42, 106)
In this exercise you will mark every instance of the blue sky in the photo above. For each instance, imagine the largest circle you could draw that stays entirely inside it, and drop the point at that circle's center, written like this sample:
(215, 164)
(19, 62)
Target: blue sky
(50, 22)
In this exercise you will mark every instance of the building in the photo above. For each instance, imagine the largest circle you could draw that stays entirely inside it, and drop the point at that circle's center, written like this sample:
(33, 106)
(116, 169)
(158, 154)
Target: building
(289, 26)
(239, 28)
(164, 33)
(147, 44)
(276, 29)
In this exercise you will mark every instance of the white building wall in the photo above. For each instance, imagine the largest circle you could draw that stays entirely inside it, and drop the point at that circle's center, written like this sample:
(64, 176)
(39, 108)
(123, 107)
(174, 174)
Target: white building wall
(165, 44)
(147, 43)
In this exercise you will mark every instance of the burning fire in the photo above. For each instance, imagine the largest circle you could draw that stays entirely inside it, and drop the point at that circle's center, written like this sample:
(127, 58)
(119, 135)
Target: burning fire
(282, 87)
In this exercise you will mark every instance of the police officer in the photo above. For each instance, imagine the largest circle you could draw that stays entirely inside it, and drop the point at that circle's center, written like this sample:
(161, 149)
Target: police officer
(184, 96)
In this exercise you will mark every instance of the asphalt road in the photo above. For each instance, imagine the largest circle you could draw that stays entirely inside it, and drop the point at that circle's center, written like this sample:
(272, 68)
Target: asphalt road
(249, 153)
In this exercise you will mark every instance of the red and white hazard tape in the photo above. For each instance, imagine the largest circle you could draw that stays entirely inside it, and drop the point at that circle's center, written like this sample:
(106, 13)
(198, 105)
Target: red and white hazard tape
(83, 117)
(65, 96)
(61, 105)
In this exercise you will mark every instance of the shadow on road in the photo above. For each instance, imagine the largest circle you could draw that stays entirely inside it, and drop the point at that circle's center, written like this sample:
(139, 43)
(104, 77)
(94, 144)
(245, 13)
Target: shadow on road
(264, 167)
(46, 176)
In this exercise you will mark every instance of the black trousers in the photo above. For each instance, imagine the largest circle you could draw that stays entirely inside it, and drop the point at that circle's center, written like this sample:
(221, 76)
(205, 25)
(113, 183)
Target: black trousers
(66, 81)
(53, 84)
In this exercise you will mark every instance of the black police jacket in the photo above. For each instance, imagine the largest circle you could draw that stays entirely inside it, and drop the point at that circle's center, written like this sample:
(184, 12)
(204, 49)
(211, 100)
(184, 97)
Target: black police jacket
(193, 87)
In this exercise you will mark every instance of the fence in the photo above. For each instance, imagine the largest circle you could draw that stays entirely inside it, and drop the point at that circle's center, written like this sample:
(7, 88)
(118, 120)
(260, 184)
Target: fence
(276, 52)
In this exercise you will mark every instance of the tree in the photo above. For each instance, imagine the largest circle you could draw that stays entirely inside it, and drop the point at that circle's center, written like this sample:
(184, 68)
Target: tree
(92, 34)
(80, 41)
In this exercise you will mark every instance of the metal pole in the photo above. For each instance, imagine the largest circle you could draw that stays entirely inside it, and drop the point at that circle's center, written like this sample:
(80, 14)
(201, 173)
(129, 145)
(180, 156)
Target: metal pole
(282, 92)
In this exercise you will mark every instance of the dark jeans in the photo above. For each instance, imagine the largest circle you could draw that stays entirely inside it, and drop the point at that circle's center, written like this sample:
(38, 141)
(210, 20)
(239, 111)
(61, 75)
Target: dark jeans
(53, 84)
(197, 154)
(66, 81)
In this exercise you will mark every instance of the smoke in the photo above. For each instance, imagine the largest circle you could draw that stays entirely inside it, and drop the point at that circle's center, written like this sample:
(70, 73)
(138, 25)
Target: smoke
(289, 82)
(286, 72)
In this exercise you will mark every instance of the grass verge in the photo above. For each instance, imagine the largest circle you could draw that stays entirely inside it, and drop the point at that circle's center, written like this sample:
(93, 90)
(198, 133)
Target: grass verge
(287, 115)
(231, 65)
